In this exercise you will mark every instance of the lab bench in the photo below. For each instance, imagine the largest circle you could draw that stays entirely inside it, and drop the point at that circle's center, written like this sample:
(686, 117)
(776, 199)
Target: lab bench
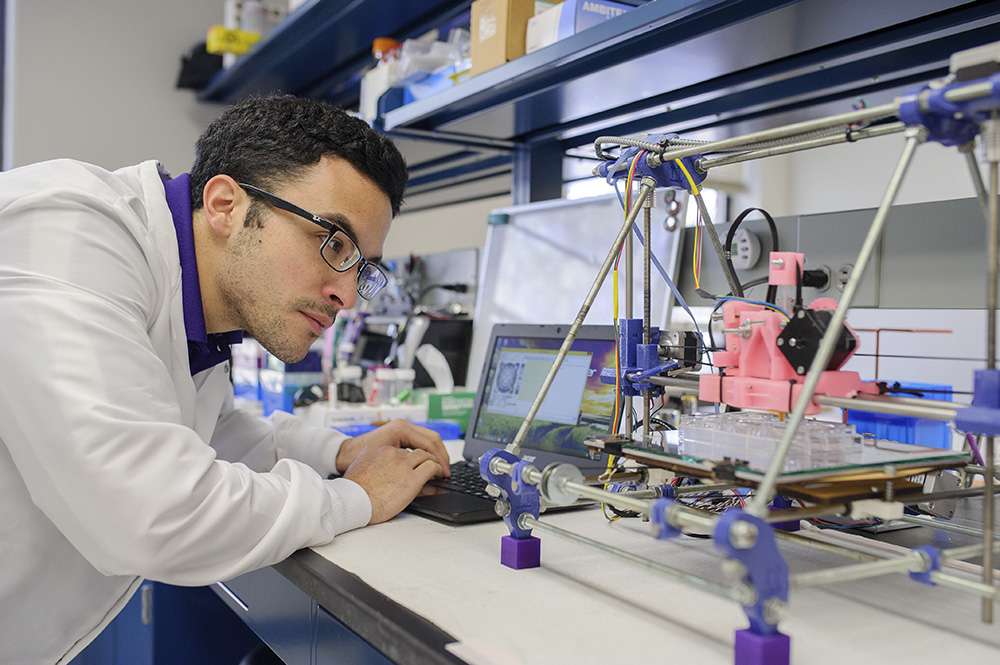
(417, 591)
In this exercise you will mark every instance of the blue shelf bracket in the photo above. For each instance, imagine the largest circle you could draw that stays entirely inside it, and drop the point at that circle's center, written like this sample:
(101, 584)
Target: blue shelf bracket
(751, 542)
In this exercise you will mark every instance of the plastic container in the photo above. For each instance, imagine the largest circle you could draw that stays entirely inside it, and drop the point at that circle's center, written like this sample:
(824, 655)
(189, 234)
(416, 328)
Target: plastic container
(383, 386)
(749, 439)
(403, 384)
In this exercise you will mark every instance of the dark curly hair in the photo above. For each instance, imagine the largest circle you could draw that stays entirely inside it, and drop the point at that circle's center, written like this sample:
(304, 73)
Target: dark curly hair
(266, 141)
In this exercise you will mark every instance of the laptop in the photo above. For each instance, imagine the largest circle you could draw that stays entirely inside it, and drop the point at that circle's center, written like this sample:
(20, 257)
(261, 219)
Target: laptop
(577, 407)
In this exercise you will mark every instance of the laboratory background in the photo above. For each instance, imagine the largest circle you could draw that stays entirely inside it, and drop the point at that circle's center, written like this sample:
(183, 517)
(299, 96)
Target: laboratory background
(701, 291)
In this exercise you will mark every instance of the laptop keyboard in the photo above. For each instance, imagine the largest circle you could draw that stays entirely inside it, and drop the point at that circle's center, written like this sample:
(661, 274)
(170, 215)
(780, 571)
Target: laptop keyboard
(465, 478)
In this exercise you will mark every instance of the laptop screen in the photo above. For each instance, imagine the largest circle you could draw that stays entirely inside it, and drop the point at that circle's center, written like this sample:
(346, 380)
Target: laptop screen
(577, 406)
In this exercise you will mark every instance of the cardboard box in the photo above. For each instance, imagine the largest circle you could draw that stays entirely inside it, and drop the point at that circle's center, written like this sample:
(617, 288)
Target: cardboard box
(568, 18)
(498, 31)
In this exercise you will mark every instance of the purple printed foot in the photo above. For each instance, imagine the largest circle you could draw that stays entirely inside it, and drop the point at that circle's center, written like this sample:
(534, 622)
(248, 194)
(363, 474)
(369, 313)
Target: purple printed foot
(520, 553)
(753, 649)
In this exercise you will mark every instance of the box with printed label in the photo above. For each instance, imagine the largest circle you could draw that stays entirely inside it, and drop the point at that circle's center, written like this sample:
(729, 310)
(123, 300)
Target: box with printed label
(498, 29)
(568, 18)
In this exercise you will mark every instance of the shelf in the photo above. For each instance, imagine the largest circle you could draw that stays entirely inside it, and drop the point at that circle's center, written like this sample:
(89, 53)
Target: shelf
(692, 66)
(322, 49)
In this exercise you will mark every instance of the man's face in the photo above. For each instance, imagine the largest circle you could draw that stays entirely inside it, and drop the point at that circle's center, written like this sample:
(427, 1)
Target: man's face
(273, 280)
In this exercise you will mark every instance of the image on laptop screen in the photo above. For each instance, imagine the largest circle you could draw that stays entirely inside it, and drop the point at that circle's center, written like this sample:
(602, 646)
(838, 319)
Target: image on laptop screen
(577, 407)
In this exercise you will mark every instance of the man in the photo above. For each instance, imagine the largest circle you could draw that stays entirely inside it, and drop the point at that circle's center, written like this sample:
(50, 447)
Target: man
(122, 454)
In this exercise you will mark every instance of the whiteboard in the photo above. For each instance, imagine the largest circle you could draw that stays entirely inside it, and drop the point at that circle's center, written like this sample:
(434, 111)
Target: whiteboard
(539, 266)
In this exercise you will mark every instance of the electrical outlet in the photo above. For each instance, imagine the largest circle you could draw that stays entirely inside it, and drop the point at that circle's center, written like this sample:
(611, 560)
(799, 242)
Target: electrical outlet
(843, 275)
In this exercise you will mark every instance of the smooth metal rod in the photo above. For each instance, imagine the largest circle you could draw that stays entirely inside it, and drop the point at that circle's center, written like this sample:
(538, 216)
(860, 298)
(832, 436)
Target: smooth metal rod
(991, 316)
(977, 179)
(915, 561)
(981, 470)
(989, 593)
(941, 525)
(824, 546)
(972, 91)
(629, 429)
(924, 402)
(850, 136)
(677, 515)
(967, 551)
(897, 408)
(647, 315)
(685, 383)
(786, 131)
(741, 593)
(759, 505)
(965, 93)
(514, 447)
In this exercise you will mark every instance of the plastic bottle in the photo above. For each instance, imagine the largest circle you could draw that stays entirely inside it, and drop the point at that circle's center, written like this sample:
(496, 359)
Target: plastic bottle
(378, 79)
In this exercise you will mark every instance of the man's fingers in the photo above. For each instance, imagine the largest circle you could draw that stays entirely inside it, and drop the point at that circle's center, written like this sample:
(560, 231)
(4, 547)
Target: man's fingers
(428, 469)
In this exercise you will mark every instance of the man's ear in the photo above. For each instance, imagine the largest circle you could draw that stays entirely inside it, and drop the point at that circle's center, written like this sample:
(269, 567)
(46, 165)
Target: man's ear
(224, 204)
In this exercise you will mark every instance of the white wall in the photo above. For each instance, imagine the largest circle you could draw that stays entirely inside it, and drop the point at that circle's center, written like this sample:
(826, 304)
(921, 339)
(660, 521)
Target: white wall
(95, 81)
(461, 226)
(852, 176)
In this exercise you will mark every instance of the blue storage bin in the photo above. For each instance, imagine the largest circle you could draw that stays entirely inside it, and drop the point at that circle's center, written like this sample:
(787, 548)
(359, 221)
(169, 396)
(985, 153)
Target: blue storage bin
(446, 428)
(907, 429)
(355, 429)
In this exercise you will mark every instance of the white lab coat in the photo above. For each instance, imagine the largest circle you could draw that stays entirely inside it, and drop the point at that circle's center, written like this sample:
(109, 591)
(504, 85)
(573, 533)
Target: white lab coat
(106, 472)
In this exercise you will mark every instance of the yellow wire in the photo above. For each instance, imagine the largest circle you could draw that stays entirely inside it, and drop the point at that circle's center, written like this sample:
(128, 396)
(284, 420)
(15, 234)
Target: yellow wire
(694, 187)
(694, 191)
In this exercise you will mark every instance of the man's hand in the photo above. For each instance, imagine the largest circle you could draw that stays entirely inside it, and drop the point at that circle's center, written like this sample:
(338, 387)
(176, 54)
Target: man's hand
(392, 477)
(397, 434)
(392, 464)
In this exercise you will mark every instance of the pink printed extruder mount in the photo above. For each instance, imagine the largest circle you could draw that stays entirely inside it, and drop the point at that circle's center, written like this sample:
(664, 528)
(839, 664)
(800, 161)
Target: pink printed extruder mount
(752, 371)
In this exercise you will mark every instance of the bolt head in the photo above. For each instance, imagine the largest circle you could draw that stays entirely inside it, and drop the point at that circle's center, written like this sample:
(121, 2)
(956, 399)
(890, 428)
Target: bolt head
(733, 569)
(743, 535)
(775, 610)
(502, 507)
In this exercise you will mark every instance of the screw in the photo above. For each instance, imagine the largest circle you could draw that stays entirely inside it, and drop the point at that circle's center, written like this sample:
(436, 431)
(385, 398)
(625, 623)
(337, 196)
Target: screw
(778, 263)
(502, 507)
(800, 369)
(781, 341)
(792, 341)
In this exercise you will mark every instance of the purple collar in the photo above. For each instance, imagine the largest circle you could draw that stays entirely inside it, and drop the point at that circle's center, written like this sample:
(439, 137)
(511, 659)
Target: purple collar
(204, 350)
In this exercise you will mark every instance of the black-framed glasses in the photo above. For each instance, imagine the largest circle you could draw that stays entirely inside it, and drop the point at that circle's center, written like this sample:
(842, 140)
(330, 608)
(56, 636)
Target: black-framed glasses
(339, 250)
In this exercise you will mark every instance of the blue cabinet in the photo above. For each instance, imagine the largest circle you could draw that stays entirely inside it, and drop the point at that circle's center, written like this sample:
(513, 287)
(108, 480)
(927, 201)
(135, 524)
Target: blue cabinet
(167, 625)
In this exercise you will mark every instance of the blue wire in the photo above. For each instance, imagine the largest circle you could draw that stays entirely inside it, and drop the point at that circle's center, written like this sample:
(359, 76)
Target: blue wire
(663, 274)
(755, 302)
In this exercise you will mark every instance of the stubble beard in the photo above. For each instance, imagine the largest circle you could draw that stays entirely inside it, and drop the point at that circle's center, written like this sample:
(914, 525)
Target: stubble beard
(243, 287)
